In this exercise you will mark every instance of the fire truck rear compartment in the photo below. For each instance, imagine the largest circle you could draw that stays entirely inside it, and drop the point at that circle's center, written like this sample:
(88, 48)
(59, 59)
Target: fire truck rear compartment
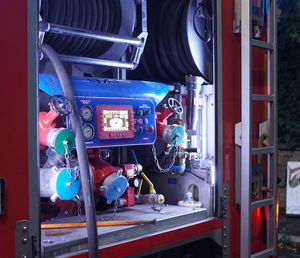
(150, 145)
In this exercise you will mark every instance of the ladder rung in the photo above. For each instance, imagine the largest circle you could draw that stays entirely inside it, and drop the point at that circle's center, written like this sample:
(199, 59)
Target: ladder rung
(263, 254)
(262, 203)
(262, 44)
(261, 97)
(262, 150)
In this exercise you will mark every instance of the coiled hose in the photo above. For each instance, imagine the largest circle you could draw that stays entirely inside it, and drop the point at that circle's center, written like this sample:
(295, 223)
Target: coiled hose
(88, 196)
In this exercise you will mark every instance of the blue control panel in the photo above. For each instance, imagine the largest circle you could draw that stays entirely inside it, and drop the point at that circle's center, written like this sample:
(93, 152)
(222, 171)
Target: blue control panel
(113, 112)
(127, 122)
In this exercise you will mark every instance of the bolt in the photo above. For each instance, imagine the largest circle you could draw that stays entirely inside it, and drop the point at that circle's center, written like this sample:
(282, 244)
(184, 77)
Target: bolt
(102, 188)
(69, 184)
(118, 189)
(24, 256)
(25, 228)
(25, 240)
(225, 247)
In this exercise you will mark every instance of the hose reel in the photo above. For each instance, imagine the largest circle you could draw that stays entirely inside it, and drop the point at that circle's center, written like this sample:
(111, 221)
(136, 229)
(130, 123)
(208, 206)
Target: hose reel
(180, 41)
(93, 32)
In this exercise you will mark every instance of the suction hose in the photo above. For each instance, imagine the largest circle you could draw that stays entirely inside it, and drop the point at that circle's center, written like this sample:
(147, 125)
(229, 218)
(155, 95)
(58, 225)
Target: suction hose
(88, 196)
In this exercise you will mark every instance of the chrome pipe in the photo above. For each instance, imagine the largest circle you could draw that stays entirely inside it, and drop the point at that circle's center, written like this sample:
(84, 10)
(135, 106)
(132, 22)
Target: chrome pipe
(71, 31)
(194, 116)
(194, 85)
(95, 61)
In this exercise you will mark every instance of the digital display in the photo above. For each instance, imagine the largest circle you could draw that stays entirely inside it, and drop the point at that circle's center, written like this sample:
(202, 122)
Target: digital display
(115, 120)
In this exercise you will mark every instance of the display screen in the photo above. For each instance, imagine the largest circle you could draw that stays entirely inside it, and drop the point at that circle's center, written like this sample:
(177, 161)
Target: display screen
(116, 120)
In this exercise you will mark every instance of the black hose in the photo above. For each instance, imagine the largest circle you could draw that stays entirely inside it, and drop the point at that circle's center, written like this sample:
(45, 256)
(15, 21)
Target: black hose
(88, 195)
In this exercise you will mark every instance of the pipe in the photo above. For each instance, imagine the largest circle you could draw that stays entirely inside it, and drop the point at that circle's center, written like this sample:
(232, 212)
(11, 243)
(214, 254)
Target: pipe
(98, 62)
(71, 31)
(132, 152)
(113, 223)
(194, 85)
(86, 183)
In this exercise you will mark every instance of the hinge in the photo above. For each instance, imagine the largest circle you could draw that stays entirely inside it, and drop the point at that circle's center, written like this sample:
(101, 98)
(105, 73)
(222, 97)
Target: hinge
(238, 134)
(226, 225)
(23, 240)
(237, 17)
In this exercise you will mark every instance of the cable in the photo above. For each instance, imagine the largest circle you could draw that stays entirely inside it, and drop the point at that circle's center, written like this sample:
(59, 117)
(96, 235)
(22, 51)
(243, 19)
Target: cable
(87, 191)
(202, 178)
(132, 152)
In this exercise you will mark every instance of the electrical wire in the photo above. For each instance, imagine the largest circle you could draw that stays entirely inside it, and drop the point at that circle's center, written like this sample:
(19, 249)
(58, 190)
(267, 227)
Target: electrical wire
(201, 178)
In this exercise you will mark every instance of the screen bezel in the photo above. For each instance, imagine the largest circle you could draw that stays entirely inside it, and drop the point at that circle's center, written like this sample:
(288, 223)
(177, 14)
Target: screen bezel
(104, 135)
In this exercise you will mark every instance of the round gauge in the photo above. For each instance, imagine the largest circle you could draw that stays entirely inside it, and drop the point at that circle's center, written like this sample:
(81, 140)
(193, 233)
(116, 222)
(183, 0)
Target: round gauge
(88, 131)
(116, 123)
(86, 112)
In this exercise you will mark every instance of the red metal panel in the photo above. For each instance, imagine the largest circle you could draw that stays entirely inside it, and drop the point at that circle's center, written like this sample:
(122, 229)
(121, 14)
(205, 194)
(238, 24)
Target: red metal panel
(158, 241)
(231, 84)
(13, 113)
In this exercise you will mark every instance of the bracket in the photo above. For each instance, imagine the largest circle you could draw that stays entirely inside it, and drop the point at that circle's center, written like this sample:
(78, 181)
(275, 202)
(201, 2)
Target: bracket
(23, 240)
(238, 156)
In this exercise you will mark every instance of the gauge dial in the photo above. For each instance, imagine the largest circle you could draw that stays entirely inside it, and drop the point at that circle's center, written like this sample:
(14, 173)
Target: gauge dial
(116, 123)
(88, 131)
(86, 112)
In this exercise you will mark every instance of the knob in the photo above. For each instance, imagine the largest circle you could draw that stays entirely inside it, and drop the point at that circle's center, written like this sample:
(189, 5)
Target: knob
(147, 112)
(150, 129)
(139, 112)
(140, 121)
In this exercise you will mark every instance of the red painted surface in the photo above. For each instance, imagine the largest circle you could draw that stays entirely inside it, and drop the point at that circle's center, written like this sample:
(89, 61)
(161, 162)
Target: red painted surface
(101, 169)
(161, 121)
(46, 124)
(13, 113)
(158, 241)
(231, 83)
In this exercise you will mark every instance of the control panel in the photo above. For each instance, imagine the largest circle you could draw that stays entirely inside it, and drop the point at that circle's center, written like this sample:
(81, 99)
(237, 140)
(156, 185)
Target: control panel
(113, 112)
(117, 122)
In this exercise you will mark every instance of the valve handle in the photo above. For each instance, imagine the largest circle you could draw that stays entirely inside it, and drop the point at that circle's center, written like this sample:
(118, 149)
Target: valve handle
(175, 106)
(61, 105)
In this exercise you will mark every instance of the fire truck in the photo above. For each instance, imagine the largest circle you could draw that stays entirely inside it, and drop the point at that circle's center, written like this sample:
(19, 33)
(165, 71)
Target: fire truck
(137, 127)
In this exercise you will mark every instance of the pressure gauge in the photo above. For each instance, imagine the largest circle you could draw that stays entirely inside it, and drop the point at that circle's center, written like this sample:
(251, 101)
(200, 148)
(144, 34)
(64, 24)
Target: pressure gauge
(116, 123)
(86, 112)
(88, 131)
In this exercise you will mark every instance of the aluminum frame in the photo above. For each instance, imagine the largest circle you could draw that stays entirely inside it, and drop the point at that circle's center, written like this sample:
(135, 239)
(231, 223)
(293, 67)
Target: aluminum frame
(246, 147)
(33, 147)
